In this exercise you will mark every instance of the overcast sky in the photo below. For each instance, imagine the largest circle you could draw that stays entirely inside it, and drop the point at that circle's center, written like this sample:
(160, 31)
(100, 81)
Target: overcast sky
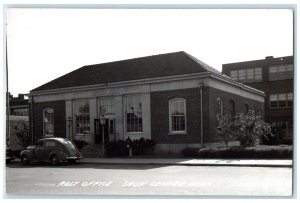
(44, 44)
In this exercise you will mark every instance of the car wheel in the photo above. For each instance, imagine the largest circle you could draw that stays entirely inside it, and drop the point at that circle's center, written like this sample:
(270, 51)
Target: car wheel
(24, 159)
(54, 159)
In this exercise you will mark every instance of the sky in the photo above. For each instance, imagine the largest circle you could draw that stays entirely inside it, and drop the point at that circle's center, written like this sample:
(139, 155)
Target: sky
(44, 44)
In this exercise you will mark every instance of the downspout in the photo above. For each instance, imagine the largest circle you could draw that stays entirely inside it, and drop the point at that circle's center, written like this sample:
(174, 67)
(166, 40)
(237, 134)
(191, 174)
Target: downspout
(201, 113)
(32, 124)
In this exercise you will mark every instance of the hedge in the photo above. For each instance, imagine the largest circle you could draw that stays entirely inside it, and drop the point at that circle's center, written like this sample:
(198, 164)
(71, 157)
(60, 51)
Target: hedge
(259, 152)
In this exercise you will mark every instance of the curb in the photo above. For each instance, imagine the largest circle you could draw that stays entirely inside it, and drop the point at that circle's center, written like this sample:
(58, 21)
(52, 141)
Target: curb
(190, 164)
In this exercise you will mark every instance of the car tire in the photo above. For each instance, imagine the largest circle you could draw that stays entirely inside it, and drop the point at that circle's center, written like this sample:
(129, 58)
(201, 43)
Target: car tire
(24, 159)
(54, 159)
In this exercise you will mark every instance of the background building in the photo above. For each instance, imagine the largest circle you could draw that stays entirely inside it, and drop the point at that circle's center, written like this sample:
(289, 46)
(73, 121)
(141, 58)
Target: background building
(172, 98)
(18, 121)
(274, 76)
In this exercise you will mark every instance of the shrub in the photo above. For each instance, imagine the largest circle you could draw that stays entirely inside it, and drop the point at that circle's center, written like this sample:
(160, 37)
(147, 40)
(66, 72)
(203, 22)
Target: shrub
(80, 143)
(248, 129)
(260, 152)
(116, 148)
(139, 147)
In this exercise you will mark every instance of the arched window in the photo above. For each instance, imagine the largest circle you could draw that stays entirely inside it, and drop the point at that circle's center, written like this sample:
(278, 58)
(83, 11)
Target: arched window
(220, 107)
(177, 115)
(231, 109)
(246, 110)
(48, 122)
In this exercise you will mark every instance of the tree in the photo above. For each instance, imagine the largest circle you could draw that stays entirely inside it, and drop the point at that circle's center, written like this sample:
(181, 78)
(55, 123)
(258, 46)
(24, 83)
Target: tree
(225, 129)
(250, 129)
(247, 128)
(22, 132)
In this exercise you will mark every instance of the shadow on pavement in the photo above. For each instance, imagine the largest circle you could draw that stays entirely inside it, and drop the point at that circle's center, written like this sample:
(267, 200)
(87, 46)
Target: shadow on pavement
(125, 166)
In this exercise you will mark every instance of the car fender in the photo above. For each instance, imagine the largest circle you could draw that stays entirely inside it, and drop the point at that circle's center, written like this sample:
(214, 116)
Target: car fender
(60, 155)
(27, 153)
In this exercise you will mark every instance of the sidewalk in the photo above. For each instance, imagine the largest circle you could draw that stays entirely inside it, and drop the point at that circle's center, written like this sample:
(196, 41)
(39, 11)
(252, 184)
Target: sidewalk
(190, 162)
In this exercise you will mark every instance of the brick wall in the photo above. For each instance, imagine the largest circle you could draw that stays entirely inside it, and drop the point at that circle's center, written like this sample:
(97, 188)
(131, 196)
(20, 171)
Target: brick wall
(160, 116)
(59, 119)
(211, 109)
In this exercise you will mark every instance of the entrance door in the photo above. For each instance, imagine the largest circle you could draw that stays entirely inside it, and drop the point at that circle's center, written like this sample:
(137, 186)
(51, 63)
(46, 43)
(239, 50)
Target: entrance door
(101, 138)
(105, 136)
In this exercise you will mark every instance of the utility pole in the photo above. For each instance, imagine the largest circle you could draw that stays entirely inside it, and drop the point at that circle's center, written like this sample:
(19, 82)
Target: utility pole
(7, 92)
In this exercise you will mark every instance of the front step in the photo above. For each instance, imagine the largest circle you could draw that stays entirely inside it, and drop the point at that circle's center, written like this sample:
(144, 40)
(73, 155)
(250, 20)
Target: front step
(92, 151)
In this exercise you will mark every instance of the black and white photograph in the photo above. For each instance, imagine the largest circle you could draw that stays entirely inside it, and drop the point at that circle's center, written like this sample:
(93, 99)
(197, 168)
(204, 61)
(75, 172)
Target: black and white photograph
(149, 101)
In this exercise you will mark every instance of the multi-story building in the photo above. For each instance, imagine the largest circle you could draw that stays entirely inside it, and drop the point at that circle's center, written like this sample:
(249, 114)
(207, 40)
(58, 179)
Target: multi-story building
(274, 76)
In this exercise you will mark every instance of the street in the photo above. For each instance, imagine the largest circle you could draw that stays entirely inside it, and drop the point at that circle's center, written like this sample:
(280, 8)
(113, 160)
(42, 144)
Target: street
(120, 179)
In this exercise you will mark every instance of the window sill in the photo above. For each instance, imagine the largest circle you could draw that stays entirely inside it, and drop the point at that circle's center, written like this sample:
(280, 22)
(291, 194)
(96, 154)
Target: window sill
(178, 133)
(286, 107)
(134, 133)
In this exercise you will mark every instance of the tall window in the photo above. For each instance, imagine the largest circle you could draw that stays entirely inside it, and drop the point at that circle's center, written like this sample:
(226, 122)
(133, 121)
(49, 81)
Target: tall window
(246, 108)
(231, 109)
(48, 121)
(82, 116)
(281, 100)
(177, 115)
(133, 112)
(220, 107)
(106, 105)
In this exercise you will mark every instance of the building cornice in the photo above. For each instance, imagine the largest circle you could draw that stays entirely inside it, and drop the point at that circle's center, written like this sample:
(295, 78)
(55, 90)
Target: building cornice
(201, 75)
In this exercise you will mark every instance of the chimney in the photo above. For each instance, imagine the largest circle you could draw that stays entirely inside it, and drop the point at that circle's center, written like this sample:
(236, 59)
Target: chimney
(21, 96)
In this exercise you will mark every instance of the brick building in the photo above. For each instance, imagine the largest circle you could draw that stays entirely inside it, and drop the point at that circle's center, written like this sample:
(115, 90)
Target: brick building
(171, 98)
(274, 76)
(18, 121)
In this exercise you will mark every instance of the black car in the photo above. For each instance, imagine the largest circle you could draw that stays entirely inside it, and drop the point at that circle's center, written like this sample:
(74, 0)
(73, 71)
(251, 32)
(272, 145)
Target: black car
(52, 149)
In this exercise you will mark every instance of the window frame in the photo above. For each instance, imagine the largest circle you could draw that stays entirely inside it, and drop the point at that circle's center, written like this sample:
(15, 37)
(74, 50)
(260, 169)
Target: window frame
(274, 99)
(135, 110)
(87, 115)
(108, 102)
(45, 134)
(171, 101)
(220, 106)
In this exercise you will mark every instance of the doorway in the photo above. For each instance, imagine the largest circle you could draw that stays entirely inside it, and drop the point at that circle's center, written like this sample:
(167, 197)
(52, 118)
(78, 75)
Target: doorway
(104, 133)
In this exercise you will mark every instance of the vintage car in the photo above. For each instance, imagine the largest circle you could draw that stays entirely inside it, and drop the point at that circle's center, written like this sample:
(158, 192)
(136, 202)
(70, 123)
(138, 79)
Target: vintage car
(52, 149)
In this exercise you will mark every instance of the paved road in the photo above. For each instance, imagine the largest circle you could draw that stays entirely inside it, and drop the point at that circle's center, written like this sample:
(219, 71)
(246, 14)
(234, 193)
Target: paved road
(99, 179)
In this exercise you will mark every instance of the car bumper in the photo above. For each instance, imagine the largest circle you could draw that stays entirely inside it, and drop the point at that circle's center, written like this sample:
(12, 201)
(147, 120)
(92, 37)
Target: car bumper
(74, 158)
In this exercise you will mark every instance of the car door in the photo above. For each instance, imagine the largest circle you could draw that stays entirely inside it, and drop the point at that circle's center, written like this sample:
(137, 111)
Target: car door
(49, 147)
(39, 150)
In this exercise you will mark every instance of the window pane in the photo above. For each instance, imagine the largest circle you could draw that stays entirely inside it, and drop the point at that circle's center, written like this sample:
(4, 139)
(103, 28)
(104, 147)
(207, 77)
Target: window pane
(134, 120)
(273, 97)
(82, 116)
(281, 97)
(49, 122)
(258, 73)
(177, 115)
(233, 74)
(290, 96)
(106, 105)
(289, 67)
(242, 75)
(281, 68)
(250, 74)
(273, 69)
(273, 104)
